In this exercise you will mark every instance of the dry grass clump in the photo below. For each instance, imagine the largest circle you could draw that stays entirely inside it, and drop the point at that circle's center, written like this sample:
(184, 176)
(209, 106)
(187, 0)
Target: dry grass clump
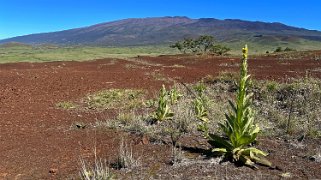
(126, 159)
(115, 99)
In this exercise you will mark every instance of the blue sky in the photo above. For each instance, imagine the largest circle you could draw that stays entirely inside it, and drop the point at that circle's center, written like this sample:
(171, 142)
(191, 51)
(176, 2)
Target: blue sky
(20, 17)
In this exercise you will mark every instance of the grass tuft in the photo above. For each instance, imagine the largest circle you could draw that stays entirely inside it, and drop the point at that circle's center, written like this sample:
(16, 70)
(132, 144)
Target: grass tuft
(126, 158)
(116, 99)
(66, 105)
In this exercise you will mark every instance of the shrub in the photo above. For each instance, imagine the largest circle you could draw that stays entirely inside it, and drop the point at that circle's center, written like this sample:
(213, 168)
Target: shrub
(178, 45)
(278, 49)
(219, 50)
(288, 49)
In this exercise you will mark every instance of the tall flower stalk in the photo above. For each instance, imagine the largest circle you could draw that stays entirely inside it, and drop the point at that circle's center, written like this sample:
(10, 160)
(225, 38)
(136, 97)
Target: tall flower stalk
(239, 128)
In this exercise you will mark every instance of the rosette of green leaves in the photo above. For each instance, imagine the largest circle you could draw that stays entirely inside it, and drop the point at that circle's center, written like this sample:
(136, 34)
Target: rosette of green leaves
(174, 95)
(163, 111)
(202, 115)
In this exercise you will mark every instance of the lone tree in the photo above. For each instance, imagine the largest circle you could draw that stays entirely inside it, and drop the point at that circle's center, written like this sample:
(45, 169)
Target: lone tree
(204, 44)
(189, 45)
(219, 50)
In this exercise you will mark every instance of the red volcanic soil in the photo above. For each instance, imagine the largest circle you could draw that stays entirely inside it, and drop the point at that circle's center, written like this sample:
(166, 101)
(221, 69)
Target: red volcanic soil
(38, 141)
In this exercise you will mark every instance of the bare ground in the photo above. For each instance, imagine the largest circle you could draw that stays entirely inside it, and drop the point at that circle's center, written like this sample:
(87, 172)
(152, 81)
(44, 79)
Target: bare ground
(38, 141)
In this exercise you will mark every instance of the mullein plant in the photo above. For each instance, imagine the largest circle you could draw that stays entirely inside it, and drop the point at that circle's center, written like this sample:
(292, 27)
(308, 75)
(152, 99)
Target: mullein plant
(201, 108)
(163, 111)
(239, 129)
(174, 95)
(202, 115)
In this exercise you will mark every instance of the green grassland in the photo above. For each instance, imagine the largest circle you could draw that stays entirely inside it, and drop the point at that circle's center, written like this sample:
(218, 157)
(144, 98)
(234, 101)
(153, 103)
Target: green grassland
(25, 53)
(270, 43)
(16, 52)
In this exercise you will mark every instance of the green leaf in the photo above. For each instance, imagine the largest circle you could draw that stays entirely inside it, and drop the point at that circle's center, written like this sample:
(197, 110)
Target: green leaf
(247, 161)
(220, 150)
(257, 156)
(232, 106)
(255, 151)
(245, 140)
(219, 142)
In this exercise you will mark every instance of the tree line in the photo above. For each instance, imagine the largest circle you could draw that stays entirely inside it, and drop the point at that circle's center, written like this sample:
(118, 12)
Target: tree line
(204, 44)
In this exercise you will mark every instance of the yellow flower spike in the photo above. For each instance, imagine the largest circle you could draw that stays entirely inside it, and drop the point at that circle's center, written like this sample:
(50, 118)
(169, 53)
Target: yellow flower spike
(245, 51)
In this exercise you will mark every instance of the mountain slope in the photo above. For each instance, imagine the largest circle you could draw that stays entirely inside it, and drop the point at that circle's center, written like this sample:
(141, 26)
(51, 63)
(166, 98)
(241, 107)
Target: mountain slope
(164, 30)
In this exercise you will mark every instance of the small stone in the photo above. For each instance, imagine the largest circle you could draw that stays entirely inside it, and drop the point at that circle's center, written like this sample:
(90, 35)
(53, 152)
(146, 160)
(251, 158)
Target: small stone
(80, 125)
(316, 158)
(53, 170)
(145, 140)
